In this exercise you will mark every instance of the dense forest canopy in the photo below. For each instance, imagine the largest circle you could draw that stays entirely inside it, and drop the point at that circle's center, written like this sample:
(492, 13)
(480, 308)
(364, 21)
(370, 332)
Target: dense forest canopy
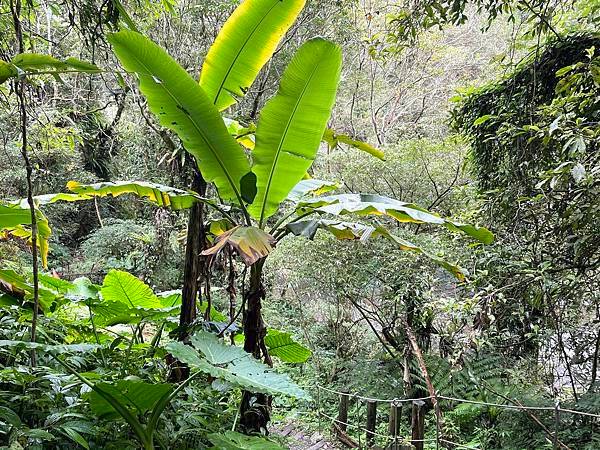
(269, 224)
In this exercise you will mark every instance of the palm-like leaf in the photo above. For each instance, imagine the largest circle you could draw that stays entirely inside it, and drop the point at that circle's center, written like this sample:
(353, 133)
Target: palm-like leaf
(15, 220)
(378, 205)
(363, 232)
(182, 106)
(292, 123)
(160, 195)
(244, 44)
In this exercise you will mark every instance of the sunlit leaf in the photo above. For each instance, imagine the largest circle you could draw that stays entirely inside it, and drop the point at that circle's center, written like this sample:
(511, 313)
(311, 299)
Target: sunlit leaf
(182, 106)
(119, 286)
(282, 345)
(15, 219)
(243, 46)
(291, 124)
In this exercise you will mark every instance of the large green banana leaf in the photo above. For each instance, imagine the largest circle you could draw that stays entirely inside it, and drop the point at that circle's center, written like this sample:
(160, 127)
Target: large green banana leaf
(362, 232)
(292, 123)
(244, 44)
(160, 195)
(182, 106)
(378, 205)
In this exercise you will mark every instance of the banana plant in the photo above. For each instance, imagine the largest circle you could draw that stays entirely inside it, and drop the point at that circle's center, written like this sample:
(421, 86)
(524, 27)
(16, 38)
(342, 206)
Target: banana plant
(256, 190)
(287, 138)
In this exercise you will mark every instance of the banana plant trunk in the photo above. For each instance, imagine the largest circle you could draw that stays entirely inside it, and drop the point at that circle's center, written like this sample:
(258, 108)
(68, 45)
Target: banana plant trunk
(193, 273)
(194, 261)
(255, 409)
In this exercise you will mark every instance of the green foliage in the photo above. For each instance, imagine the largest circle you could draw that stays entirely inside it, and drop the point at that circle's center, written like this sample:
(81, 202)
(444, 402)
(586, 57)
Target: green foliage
(516, 153)
(366, 204)
(231, 440)
(16, 220)
(233, 365)
(292, 123)
(119, 244)
(334, 140)
(361, 232)
(244, 45)
(33, 63)
(123, 287)
(282, 345)
(182, 106)
(346, 300)
(539, 17)
(137, 396)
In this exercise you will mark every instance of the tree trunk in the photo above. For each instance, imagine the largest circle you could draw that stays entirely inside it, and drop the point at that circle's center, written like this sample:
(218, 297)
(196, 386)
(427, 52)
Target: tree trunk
(192, 278)
(255, 409)
(194, 261)
(15, 8)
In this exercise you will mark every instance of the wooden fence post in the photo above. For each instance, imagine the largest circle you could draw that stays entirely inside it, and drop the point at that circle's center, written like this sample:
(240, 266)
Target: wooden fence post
(418, 424)
(394, 423)
(342, 418)
(371, 422)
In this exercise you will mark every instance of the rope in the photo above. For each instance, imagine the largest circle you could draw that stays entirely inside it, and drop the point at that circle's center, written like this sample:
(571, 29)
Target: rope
(371, 399)
(581, 413)
(499, 405)
(439, 438)
(458, 445)
(374, 433)
(397, 401)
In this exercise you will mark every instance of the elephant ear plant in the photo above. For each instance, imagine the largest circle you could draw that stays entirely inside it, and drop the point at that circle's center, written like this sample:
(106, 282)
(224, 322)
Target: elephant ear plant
(124, 299)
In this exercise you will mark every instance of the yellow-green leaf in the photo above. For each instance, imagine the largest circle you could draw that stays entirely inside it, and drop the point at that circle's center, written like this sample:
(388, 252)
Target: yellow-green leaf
(292, 123)
(182, 106)
(243, 46)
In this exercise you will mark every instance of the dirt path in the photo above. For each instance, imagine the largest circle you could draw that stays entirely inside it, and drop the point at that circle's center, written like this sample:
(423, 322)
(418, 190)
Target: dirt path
(301, 439)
